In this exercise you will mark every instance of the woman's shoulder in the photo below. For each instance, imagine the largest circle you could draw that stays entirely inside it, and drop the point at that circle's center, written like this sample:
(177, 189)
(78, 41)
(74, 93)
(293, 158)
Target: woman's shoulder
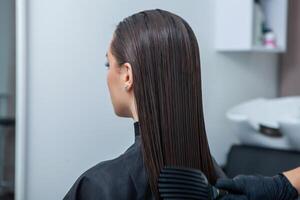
(113, 167)
(108, 179)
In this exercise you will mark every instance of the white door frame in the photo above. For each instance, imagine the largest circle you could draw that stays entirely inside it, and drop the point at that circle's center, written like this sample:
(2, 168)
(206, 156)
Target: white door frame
(21, 98)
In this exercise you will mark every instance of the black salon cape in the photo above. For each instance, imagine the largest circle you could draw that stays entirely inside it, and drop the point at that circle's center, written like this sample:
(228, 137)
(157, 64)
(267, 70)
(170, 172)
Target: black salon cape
(122, 178)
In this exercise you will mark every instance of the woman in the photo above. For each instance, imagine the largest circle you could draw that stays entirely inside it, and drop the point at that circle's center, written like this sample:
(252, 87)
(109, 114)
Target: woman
(153, 77)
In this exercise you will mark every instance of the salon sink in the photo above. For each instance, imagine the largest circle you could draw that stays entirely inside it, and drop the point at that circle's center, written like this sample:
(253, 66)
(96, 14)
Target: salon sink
(291, 128)
(273, 123)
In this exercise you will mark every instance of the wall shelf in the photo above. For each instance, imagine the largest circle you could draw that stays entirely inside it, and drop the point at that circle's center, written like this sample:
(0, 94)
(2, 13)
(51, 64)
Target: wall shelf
(235, 22)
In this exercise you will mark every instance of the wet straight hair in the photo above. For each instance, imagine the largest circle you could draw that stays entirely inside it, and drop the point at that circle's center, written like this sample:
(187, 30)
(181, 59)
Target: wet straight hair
(164, 54)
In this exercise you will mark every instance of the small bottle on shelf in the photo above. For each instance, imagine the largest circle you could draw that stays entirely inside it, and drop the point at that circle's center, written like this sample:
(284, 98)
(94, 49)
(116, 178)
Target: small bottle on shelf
(270, 39)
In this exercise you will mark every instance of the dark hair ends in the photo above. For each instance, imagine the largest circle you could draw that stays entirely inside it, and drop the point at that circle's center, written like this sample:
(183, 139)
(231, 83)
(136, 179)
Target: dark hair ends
(164, 54)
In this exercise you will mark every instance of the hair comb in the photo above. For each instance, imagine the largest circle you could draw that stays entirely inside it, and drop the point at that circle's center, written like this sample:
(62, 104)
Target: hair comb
(186, 183)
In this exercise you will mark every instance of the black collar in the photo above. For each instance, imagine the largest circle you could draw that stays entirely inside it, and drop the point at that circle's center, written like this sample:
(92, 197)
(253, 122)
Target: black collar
(136, 128)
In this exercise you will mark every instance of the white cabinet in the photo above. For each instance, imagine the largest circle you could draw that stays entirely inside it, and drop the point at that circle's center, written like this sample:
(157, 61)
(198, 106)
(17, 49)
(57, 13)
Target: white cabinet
(235, 24)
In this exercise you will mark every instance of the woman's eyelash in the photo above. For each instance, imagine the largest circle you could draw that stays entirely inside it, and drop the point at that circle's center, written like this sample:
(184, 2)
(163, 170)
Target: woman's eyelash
(106, 64)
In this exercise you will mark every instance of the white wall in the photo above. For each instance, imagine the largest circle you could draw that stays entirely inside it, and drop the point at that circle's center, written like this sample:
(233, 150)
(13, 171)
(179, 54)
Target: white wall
(71, 123)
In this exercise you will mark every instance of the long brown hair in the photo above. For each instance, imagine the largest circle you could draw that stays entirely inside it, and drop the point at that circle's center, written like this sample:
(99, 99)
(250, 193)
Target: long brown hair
(163, 52)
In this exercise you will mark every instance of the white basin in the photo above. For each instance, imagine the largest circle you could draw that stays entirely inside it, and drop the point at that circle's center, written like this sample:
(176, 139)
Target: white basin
(279, 113)
(291, 128)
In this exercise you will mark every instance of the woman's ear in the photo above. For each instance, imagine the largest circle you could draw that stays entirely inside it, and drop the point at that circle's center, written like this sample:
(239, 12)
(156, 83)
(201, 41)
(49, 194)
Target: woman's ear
(127, 76)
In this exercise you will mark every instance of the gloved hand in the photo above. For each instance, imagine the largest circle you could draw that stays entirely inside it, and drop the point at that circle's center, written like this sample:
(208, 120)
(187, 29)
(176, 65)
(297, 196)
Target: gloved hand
(251, 187)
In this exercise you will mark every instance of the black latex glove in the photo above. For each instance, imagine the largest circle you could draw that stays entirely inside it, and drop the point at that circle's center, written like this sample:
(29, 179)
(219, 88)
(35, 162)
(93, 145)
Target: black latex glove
(244, 187)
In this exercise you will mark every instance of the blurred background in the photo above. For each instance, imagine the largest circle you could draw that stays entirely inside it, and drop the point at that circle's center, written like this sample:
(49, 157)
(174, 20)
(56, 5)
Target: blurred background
(56, 118)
